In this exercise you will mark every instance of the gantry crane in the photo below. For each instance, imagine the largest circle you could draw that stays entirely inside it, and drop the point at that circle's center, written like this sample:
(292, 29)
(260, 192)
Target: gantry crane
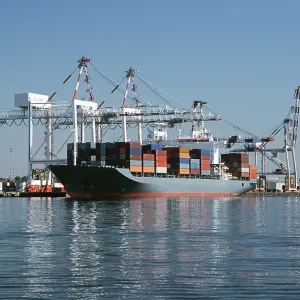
(290, 126)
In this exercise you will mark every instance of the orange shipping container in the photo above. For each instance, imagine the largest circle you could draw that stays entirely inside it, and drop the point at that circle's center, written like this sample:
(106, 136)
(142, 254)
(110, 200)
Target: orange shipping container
(161, 163)
(137, 169)
(205, 162)
(183, 171)
(184, 155)
(148, 169)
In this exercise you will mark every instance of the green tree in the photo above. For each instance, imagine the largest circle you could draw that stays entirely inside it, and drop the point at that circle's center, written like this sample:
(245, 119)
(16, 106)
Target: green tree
(18, 179)
(24, 179)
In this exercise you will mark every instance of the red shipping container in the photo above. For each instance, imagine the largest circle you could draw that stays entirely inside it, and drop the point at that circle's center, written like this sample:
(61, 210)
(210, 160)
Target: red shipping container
(161, 163)
(148, 157)
(135, 145)
(205, 162)
(194, 172)
(135, 157)
(204, 167)
(160, 152)
(205, 157)
(156, 152)
(161, 158)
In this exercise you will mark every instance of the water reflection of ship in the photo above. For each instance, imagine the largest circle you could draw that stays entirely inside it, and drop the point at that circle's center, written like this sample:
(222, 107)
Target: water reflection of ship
(39, 250)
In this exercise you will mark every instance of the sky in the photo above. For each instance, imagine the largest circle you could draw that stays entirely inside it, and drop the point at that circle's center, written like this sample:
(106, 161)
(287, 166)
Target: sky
(241, 57)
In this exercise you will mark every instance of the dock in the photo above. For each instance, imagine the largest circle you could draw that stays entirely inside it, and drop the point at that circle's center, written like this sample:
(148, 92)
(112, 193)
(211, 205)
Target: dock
(31, 194)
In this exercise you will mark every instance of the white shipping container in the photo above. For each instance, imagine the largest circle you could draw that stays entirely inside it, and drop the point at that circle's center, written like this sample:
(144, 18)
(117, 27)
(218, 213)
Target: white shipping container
(161, 170)
(245, 170)
(1, 186)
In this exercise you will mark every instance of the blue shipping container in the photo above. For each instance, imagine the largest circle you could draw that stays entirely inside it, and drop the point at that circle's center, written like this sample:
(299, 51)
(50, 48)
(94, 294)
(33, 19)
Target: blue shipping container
(194, 161)
(134, 151)
(195, 166)
(137, 163)
(205, 152)
(205, 172)
(148, 163)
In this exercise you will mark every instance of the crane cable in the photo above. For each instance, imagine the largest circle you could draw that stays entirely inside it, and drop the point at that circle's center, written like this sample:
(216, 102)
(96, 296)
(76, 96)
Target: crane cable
(156, 88)
(114, 83)
(233, 125)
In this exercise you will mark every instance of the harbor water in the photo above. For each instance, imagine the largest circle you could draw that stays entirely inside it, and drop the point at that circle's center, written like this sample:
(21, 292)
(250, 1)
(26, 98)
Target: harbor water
(210, 248)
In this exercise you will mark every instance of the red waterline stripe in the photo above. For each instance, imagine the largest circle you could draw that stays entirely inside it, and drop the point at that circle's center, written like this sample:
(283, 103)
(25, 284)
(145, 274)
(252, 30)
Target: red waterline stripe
(147, 195)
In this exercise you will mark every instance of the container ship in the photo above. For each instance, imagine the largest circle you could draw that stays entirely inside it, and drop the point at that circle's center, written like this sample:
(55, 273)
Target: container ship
(133, 170)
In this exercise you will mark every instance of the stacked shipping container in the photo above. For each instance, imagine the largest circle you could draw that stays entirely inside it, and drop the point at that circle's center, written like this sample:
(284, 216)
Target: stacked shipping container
(252, 173)
(159, 155)
(153, 159)
(204, 160)
(129, 156)
(178, 160)
(238, 164)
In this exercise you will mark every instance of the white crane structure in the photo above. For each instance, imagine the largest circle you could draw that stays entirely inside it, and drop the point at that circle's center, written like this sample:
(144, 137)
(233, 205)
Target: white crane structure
(33, 109)
(290, 127)
(80, 114)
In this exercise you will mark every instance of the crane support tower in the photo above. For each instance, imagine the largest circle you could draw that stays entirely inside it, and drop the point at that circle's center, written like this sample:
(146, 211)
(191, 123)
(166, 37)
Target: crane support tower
(290, 138)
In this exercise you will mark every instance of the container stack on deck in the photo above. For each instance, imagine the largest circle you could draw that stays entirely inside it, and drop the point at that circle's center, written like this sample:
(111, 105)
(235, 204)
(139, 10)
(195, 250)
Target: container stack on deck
(238, 164)
(203, 157)
(178, 160)
(85, 153)
(253, 173)
(147, 159)
(160, 157)
(130, 156)
(205, 162)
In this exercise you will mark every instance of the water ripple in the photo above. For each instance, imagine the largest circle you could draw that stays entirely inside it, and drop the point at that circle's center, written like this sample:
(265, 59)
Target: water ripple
(150, 249)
